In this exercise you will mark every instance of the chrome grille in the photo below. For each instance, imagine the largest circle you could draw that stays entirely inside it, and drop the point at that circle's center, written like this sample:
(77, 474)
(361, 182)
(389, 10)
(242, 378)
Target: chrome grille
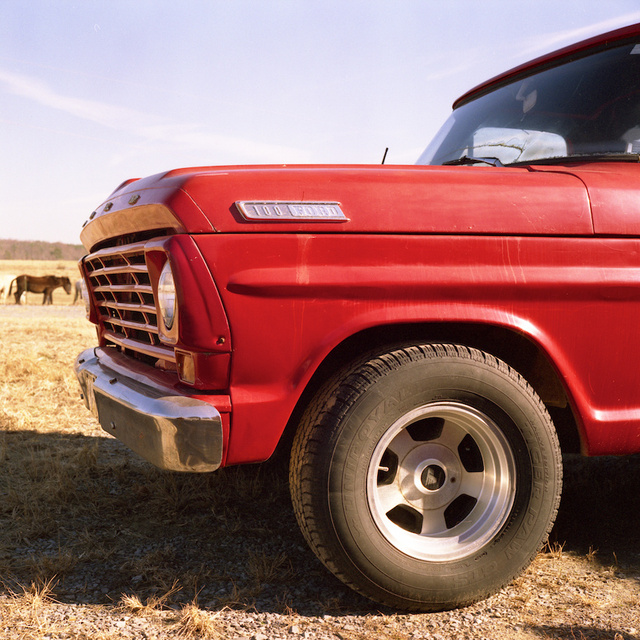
(119, 280)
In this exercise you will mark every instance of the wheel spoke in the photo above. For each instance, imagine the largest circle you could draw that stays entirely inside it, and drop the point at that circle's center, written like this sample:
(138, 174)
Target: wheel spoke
(433, 522)
(402, 444)
(472, 484)
(388, 497)
(451, 436)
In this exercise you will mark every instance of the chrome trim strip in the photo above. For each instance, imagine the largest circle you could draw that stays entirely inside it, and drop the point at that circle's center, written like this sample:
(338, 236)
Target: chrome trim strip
(129, 220)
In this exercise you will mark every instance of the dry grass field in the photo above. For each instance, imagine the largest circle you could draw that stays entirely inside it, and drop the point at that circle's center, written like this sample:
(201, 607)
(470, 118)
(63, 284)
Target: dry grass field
(95, 543)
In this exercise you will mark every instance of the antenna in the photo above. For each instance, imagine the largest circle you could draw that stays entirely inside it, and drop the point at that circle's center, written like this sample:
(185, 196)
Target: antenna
(384, 157)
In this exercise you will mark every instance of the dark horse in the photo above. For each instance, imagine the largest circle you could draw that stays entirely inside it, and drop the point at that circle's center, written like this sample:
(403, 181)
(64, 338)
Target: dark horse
(40, 284)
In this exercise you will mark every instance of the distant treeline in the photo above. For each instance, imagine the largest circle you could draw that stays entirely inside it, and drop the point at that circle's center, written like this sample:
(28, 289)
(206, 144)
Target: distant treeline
(39, 250)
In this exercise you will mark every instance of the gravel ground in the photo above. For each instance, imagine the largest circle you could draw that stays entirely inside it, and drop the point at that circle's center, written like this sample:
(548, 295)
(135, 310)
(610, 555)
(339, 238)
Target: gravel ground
(242, 570)
(95, 543)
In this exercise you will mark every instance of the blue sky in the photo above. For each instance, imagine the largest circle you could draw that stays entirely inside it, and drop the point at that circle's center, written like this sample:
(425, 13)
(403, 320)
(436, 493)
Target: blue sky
(94, 92)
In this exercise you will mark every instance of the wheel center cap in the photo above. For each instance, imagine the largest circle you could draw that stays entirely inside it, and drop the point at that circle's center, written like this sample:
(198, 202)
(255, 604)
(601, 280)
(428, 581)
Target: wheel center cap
(429, 476)
(433, 477)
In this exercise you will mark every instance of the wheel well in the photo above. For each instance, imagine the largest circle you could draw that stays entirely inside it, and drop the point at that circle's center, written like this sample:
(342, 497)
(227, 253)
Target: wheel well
(519, 352)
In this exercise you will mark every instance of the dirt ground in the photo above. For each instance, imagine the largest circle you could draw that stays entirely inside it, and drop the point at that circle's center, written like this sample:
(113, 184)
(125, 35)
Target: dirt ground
(95, 543)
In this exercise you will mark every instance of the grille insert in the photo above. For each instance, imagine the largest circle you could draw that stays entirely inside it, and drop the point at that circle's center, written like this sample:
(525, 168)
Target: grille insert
(121, 286)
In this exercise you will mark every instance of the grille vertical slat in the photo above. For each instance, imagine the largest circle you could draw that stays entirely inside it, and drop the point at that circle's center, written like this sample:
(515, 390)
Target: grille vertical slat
(120, 284)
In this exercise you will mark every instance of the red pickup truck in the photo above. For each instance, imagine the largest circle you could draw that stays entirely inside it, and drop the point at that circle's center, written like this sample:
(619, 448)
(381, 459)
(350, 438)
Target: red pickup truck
(426, 340)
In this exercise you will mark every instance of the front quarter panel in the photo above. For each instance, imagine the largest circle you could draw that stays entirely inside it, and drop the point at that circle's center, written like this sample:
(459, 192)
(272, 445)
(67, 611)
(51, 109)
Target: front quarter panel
(293, 298)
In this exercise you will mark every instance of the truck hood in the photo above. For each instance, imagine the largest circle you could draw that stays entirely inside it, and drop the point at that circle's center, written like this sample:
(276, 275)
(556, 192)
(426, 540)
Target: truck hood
(374, 199)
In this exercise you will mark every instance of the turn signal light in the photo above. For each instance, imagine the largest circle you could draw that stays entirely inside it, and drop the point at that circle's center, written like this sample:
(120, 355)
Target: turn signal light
(186, 367)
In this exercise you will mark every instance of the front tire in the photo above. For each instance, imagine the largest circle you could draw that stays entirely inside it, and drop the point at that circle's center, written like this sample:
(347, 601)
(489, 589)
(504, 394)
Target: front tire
(426, 477)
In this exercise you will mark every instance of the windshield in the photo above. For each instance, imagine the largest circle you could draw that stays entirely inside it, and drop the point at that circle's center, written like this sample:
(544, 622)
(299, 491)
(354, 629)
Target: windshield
(589, 106)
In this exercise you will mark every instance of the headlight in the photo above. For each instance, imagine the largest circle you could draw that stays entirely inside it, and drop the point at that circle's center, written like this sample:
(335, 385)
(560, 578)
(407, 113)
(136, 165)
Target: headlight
(84, 292)
(85, 296)
(167, 296)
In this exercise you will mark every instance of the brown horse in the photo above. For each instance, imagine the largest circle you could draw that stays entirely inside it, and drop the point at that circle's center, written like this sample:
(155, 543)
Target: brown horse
(40, 284)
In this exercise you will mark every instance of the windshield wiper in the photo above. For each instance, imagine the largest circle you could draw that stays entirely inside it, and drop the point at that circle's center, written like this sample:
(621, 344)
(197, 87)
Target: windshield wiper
(583, 157)
(579, 157)
(468, 160)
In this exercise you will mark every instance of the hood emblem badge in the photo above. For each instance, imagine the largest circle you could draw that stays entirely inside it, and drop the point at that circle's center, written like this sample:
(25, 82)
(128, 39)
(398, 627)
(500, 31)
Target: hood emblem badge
(276, 211)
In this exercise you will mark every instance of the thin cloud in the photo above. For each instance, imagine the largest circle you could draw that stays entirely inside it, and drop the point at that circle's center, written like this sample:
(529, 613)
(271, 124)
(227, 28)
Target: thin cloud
(91, 110)
(149, 128)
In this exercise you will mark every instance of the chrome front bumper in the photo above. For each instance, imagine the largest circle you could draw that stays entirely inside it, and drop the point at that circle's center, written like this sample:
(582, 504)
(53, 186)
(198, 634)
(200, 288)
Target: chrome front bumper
(172, 431)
